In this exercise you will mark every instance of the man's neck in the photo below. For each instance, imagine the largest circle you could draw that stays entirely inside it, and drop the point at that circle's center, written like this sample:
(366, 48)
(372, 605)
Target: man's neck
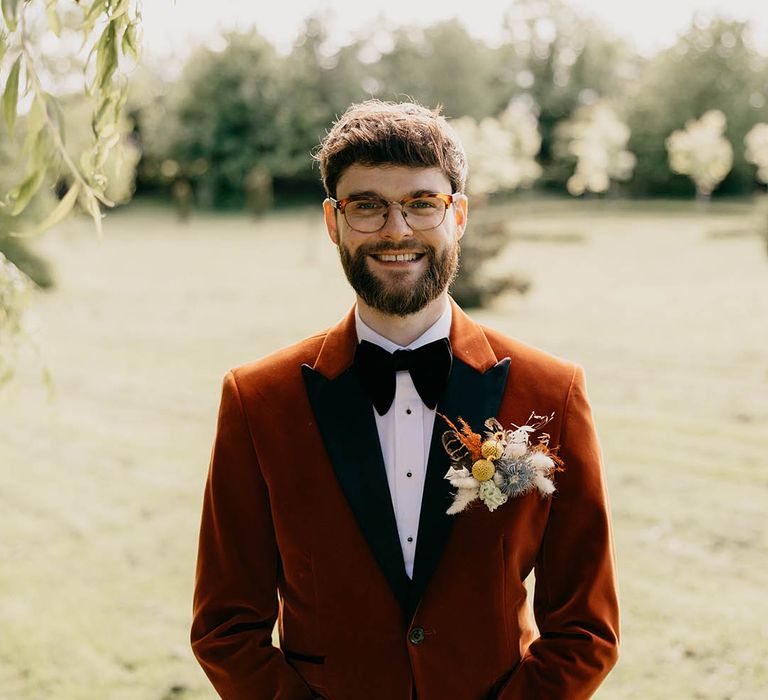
(402, 330)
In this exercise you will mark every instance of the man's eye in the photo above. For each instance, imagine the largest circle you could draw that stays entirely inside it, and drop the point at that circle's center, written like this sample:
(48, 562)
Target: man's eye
(365, 205)
(422, 204)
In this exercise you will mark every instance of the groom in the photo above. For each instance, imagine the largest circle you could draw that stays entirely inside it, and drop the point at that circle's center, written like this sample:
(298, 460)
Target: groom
(325, 505)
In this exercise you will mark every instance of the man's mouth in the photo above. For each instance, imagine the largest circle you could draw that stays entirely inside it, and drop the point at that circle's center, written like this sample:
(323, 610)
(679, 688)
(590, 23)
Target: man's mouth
(397, 257)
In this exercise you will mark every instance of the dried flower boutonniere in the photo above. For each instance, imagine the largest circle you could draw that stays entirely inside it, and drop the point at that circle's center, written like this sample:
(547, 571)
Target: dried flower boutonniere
(503, 465)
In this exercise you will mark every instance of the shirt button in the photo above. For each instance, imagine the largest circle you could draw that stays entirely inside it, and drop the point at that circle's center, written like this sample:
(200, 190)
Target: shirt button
(408, 411)
(416, 635)
(410, 539)
(409, 474)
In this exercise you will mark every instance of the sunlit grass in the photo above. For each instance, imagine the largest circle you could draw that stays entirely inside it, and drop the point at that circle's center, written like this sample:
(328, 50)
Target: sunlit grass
(100, 490)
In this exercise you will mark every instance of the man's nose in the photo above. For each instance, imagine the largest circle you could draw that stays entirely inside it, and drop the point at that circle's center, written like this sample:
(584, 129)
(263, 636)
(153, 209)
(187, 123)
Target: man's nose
(395, 226)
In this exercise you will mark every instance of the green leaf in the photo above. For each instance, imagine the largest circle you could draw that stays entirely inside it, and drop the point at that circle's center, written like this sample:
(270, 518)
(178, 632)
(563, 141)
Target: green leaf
(103, 114)
(57, 215)
(92, 15)
(53, 17)
(34, 124)
(10, 13)
(41, 151)
(11, 96)
(27, 190)
(120, 9)
(91, 205)
(129, 43)
(106, 56)
(54, 111)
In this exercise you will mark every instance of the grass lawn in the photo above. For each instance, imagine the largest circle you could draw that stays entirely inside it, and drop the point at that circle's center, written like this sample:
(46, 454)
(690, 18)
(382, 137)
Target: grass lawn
(665, 305)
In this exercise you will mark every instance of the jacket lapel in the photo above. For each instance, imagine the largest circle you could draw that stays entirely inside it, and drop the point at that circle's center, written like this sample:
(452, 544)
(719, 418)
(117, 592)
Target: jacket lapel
(474, 392)
(345, 419)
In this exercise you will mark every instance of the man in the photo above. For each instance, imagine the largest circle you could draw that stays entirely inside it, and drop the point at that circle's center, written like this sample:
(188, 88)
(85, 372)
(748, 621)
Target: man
(325, 506)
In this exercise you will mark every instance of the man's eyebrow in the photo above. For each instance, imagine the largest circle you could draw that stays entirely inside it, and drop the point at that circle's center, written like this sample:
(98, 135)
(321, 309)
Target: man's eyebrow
(363, 193)
(370, 193)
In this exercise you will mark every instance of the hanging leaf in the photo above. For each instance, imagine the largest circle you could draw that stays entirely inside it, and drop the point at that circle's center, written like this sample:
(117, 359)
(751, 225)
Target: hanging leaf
(26, 190)
(91, 16)
(40, 154)
(54, 111)
(34, 124)
(9, 13)
(129, 43)
(106, 56)
(11, 96)
(53, 17)
(120, 9)
(102, 114)
(91, 205)
(57, 215)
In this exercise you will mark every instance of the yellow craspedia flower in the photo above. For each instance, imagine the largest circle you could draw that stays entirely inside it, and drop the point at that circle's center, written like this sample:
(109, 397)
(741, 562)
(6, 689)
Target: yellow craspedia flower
(492, 449)
(483, 469)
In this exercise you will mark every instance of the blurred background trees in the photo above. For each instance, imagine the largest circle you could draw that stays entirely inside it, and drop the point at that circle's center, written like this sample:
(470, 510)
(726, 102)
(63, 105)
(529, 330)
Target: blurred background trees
(701, 152)
(714, 65)
(245, 105)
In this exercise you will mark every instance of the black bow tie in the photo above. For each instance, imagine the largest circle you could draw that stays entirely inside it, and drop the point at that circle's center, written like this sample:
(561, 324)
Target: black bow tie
(428, 365)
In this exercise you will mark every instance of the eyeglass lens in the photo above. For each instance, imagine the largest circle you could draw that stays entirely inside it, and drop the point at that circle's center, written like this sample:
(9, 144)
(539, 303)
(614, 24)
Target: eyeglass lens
(369, 215)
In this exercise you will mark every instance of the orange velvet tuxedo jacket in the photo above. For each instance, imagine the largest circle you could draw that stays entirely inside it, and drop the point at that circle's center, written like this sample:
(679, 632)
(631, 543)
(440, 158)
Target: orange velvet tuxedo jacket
(298, 527)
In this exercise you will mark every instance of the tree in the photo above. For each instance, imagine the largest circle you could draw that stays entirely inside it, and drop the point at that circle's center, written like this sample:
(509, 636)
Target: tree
(440, 65)
(501, 153)
(756, 152)
(597, 139)
(319, 83)
(702, 152)
(219, 120)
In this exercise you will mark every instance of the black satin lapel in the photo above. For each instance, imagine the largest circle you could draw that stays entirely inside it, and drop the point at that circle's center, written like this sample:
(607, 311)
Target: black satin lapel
(475, 396)
(345, 418)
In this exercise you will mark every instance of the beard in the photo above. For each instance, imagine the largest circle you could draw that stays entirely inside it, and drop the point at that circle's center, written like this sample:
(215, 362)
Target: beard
(399, 299)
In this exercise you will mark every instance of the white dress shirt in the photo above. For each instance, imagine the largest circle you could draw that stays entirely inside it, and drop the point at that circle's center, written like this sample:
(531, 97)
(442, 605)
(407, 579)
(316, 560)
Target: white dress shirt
(405, 433)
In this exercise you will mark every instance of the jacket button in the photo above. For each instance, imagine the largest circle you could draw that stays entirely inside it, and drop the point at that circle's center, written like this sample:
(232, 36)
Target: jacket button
(416, 635)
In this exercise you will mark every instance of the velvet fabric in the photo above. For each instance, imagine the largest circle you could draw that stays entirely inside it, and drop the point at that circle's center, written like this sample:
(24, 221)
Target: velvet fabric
(298, 529)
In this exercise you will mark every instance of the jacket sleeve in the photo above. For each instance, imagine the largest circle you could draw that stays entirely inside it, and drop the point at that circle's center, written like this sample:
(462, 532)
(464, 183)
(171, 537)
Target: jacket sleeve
(235, 597)
(575, 598)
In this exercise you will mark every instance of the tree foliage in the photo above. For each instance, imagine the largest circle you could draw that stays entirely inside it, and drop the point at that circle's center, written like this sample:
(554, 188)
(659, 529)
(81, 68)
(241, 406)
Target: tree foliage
(756, 152)
(596, 138)
(39, 158)
(108, 32)
(701, 152)
(712, 66)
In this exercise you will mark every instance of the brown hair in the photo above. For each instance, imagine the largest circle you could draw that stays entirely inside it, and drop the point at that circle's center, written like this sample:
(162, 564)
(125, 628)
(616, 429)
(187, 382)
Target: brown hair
(375, 132)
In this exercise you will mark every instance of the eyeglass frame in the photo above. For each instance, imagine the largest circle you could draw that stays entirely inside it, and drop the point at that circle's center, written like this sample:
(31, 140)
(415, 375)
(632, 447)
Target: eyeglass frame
(447, 199)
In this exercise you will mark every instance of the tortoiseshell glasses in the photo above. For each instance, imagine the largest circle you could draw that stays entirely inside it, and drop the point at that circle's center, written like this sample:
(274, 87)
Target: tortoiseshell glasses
(369, 214)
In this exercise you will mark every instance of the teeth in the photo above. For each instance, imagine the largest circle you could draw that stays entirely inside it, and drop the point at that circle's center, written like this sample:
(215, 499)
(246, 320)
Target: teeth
(405, 257)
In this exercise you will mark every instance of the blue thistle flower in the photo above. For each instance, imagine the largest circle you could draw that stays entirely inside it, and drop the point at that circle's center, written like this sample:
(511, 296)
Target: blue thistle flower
(515, 476)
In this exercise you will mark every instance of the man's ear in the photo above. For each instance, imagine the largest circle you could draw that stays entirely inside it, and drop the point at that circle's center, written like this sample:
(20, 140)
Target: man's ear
(331, 223)
(460, 213)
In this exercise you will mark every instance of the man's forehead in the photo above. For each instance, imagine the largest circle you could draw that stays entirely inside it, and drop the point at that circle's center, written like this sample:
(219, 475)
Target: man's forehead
(391, 180)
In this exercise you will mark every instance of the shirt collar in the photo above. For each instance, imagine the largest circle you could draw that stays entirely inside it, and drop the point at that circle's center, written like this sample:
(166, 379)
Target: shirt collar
(439, 329)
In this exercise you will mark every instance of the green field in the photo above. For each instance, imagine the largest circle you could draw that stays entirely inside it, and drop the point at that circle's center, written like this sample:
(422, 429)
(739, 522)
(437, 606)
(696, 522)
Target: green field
(665, 305)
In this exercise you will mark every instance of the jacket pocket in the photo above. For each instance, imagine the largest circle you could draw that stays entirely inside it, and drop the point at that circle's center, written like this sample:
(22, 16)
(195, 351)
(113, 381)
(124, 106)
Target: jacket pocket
(306, 658)
(311, 667)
